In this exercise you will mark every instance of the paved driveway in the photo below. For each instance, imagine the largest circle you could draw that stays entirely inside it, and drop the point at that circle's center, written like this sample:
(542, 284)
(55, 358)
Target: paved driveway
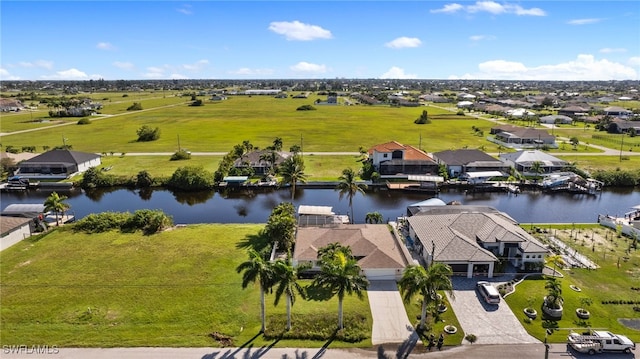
(390, 321)
(491, 324)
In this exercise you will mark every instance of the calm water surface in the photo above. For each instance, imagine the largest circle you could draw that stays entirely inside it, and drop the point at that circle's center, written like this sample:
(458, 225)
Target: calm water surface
(243, 206)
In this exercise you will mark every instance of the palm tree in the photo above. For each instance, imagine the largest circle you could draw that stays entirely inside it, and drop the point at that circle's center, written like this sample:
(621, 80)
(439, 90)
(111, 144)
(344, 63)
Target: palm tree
(425, 282)
(292, 171)
(554, 297)
(374, 217)
(349, 187)
(557, 260)
(257, 269)
(55, 203)
(286, 280)
(537, 169)
(341, 274)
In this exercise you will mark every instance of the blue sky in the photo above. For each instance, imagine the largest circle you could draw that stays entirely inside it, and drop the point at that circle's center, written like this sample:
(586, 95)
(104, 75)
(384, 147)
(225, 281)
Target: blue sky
(510, 40)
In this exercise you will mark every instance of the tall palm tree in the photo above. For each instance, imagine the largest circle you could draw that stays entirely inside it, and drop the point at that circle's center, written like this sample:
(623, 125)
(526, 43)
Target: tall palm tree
(417, 280)
(349, 187)
(554, 295)
(537, 169)
(258, 269)
(286, 281)
(341, 274)
(55, 203)
(557, 260)
(292, 171)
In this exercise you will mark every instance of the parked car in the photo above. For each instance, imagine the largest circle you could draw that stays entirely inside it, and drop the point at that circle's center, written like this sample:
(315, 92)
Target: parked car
(488, 292)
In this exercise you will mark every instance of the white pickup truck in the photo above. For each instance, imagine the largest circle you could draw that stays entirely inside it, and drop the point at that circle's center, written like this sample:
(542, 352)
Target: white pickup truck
(600, 341)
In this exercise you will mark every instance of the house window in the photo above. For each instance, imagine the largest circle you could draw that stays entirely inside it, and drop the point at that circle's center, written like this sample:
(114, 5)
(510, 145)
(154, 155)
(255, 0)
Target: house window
(385, 155)
(527, 256)
(397, 155)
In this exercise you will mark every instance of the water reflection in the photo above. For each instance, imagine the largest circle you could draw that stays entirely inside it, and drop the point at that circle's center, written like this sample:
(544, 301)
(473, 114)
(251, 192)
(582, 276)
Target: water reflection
(244, 206)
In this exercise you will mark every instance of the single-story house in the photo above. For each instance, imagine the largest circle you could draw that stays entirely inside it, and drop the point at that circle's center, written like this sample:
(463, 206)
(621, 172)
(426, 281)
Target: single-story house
(461, 161)
(262, 160)
(14, 229)
(522, 137)
(471, 238)
(57, 164)
(573, 110)
(524, 160)
(393, 158)
(556, 119)
(617, 111)
(618, 125)
(380, 255)
(519, 113)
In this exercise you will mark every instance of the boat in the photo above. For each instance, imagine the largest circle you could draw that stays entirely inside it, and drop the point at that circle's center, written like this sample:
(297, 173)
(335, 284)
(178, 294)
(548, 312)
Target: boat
(17, 183)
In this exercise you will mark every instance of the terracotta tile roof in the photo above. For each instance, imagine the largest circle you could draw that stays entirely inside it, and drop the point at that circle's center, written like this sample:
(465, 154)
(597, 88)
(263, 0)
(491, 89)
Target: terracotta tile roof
(410, 152)
(373, 244)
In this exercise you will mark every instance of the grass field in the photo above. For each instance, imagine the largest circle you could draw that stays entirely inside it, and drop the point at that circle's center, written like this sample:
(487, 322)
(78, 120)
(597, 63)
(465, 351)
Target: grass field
(170, 289)
(612, 281)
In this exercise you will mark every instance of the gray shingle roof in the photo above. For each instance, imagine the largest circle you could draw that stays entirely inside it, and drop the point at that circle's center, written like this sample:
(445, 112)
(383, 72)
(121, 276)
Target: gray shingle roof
(62, 156)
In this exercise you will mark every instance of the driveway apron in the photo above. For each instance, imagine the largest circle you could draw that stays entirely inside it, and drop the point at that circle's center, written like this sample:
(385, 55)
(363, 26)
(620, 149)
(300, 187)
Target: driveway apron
(390, 321)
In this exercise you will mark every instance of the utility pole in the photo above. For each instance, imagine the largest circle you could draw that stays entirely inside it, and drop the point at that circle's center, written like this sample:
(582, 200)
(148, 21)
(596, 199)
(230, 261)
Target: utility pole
(301, 148)
(178, 142)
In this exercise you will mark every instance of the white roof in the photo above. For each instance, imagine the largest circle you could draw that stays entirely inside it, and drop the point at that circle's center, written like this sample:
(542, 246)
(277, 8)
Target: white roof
(482, 174)
(22, 208)
(317, 210)
(425, 178)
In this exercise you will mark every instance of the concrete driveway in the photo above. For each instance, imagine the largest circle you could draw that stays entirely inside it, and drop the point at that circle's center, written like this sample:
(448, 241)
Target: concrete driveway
(490, 323)
(390, 321)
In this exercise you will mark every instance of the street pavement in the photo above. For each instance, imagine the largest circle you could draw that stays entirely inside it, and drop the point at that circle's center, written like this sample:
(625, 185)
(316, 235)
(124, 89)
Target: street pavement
(510, 351)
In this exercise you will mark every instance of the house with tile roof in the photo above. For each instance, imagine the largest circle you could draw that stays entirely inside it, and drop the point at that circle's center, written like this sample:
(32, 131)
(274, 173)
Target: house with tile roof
(461, 161)
(522, 161)
(522, 137)
(380, 255)
(472, 239)
(393, 158)
(261, 160)
(57, 164)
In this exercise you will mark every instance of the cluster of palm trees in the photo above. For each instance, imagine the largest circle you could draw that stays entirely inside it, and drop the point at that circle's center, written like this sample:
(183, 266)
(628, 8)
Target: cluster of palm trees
(339, 274)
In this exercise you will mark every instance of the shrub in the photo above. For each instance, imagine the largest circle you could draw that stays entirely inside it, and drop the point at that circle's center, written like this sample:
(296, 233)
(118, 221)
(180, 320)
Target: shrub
(146, 133)
(306, 108)
(181, 155)
(191, 179)
(149, 221)
(143, 179)
(197, 103)
(84, 121)
(101, 222)
(137, 106)
(471, 338)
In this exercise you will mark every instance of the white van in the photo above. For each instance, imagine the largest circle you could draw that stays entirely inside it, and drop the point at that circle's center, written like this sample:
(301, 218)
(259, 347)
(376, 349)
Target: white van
(488, 292)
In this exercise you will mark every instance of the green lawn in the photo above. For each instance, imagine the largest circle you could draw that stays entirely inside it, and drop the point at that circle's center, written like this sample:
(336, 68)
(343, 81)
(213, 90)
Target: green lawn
(609, 282)
(169, 289)
(447, 318)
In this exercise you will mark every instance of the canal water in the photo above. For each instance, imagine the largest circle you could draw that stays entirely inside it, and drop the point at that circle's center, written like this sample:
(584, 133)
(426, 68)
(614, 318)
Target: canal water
(254, 206)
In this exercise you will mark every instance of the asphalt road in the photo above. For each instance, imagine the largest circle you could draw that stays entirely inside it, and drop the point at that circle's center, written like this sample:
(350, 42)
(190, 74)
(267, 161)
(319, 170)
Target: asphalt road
(520, 351)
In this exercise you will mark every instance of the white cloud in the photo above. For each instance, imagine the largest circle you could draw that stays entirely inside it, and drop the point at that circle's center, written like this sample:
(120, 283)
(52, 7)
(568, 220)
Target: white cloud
(39, 63)
(177, 77)
(198, 65)
(71, 74)
(481, 37)
(123, 65)
(245, 71)
(308, 68)
(299, 31)
(403, 42)
(609, 50)
(105, 46)
(185, 9)
(6, 76)
(491, 7)
(583, 68)
(634, 61)
(583, 21)
(397, 73)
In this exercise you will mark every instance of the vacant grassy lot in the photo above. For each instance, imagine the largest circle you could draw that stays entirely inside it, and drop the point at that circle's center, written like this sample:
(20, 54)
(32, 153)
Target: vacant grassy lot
(169, 289)
(218, 126)
(619, 272)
